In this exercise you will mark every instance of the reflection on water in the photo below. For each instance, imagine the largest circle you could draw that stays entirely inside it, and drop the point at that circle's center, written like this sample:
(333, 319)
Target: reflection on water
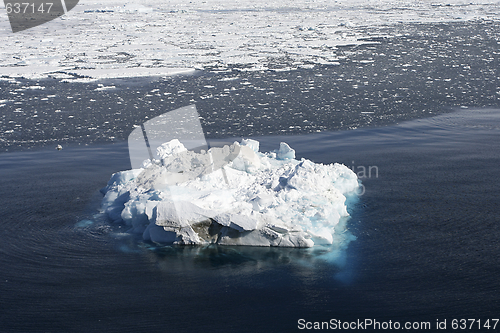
(244, 258)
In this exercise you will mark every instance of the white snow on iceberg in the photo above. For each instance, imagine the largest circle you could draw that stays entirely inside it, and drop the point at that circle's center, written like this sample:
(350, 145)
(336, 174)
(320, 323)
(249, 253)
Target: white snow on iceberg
(233, 195)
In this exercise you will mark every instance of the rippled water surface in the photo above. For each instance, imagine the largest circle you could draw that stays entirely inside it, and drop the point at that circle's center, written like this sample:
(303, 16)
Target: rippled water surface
(426, 226)
(426, 248)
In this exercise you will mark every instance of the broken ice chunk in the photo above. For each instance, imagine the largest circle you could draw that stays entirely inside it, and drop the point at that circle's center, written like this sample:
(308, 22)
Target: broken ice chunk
(179, 214)
(285, 152)
(170, 148)
(252, 144)
(237, 222)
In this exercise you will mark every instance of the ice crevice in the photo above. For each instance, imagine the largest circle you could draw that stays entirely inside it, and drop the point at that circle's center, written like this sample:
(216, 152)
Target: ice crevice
(233, 195)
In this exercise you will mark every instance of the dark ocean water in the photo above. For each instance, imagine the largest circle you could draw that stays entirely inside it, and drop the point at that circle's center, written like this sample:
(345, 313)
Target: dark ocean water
(427, 242)
(427, 225)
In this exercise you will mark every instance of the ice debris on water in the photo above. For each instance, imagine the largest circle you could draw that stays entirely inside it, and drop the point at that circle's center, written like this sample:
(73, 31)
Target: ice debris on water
(234, 195)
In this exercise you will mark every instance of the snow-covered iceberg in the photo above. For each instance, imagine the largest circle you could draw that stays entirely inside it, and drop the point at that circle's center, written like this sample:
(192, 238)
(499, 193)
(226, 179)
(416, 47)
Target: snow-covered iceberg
(234, 195)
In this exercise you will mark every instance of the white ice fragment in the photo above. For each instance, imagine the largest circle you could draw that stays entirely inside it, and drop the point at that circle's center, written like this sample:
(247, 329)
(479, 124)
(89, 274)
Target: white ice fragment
(279, 229)
(296, 240)
(253, 144)
(322, 237)
(132, 7)
(285, 152)
(179, 214)
(158, 234)
(170, 148)
(123, 177)
(237, 222)
(246, 160)
(262, 200)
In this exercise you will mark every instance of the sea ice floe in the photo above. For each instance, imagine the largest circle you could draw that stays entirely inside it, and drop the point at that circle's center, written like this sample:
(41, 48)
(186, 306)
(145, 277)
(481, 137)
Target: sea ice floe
(234, 195)
(123, 38)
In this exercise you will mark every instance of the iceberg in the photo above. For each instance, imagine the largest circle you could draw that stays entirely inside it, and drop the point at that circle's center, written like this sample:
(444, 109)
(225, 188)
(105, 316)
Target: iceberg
(231, 195)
